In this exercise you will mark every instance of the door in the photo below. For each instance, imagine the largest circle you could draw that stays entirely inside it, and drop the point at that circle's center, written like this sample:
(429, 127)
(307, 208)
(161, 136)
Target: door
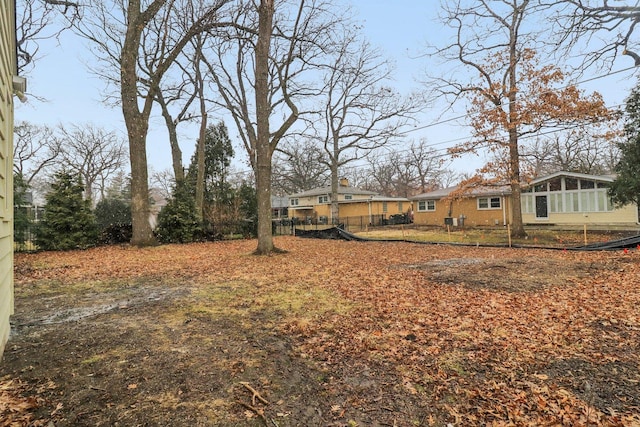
(542, 211)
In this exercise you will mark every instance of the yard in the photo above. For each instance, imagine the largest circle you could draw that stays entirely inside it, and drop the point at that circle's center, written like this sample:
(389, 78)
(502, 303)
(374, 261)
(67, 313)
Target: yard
(331, 333)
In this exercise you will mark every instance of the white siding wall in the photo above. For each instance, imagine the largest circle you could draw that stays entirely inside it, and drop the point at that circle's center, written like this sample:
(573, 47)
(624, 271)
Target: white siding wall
(7, 70)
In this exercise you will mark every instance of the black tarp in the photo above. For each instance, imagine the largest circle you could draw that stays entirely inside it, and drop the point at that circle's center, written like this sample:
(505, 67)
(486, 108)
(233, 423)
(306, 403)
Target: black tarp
(339, 233)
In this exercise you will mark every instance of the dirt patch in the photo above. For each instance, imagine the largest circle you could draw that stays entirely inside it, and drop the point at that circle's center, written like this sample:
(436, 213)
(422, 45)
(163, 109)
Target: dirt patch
(509, 275)
(610, 386)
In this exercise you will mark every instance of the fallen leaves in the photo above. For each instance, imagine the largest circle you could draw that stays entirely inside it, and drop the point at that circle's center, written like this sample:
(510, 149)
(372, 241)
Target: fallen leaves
(481, 336)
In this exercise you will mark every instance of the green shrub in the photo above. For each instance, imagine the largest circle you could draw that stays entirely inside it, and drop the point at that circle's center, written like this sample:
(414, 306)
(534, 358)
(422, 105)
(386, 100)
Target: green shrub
(68, 222)
(177, 221)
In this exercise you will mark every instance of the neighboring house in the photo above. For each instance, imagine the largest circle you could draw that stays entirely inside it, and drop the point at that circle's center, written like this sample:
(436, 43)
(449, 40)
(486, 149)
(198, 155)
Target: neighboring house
(562, 198)
(480, 206)
(158, 201)
(10, 84)
(315, 205)
(572, 199)
(279, 207)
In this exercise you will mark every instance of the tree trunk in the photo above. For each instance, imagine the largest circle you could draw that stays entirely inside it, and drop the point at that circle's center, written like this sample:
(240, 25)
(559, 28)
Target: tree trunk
(335, 209)
(137, 126)
(176, 152)
(137, 131)
(517, 227)
(203, 136)
(263, 142)
(201, 166)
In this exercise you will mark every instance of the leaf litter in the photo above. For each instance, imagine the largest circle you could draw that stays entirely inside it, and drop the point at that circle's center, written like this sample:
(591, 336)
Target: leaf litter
(330, 333)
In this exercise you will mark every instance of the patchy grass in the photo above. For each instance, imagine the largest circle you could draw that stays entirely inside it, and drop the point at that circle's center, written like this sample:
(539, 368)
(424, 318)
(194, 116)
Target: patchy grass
(330, 333)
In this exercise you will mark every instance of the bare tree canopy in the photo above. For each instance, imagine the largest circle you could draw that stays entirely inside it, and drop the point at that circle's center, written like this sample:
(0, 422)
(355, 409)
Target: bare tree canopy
(359, 111)
(299, 164)
(35, 150)
(607, 28)
(419, 168)
(93, 153)
(38, 20)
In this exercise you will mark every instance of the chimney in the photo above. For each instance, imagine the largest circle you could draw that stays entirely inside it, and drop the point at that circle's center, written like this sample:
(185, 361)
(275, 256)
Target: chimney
(344, 182)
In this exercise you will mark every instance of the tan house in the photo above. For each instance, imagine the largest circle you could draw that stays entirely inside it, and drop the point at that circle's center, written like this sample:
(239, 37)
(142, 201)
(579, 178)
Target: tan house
(481, 206)
(314, 206)
(10, 84)
(562, 198)
(574, 199)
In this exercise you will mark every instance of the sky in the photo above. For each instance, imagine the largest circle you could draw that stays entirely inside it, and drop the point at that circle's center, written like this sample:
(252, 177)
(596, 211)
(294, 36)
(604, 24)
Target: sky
(401, 28)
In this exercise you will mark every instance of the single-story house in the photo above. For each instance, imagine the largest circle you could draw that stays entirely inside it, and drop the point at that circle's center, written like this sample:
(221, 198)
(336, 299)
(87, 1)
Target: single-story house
(562, 198)
(478, 206)
(315, 205)
(10, 85)
(574, 198)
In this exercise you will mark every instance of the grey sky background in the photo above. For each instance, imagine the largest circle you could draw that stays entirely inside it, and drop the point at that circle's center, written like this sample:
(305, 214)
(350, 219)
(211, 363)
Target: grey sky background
(401, 28)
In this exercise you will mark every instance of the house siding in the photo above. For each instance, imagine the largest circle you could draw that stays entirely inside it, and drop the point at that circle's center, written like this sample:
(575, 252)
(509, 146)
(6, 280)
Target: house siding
(587, 203)
(7, 69)
(466, 207)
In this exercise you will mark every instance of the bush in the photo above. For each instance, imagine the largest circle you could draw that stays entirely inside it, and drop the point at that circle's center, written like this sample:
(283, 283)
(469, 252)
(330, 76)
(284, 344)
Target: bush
(112, 211)
(68, 222)
(115, 234)
(177, 221)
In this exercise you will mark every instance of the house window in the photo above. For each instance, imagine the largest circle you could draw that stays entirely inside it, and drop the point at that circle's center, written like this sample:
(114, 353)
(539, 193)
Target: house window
(587, 185)
(489, 203)
(570, 184)
(295, 202)
(426, 205)
(323, 199)
(400, 207)
(348, 196)
(384, 207)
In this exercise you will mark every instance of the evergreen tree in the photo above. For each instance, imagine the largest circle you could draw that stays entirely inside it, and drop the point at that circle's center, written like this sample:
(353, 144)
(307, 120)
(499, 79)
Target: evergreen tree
(112, 211)
(626, 187)
(68, 222)
(177, 221)
(21, 218)
(249, 209)
(218, 193)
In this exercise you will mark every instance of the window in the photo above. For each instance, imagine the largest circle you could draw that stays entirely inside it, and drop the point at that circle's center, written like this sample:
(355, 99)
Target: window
(587, 185)
(384, 207)
(489, 203)
(348, 196)
(400, 207)
(426, 205)
(540, 188)
(571, 183)
(323, 199)
(294, 202)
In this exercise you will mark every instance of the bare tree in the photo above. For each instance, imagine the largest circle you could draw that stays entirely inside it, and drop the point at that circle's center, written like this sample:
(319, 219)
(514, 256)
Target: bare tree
(583, 150)
(259, 75)
(360, 111)
(414, 170)
(586, 21)
(298, 165)
(131, 52)
(510, 94)
(93, 153)
(35, 150)
(38, 20)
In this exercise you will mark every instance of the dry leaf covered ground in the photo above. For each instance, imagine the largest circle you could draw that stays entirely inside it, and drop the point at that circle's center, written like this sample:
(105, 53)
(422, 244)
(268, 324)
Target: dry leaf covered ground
(331, 333)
